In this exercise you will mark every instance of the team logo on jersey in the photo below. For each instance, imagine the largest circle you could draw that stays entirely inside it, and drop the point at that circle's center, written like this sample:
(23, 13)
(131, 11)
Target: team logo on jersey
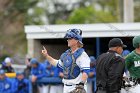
(67, 61)
(7, 86)
(137, 63)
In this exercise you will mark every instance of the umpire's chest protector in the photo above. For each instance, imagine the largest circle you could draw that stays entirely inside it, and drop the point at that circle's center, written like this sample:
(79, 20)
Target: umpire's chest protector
(71, 69)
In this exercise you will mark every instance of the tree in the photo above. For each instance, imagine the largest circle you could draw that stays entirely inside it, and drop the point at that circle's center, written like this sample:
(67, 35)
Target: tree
(12, 20)
(115, 7)
(136, 11)
(61, 9)
(89, 15)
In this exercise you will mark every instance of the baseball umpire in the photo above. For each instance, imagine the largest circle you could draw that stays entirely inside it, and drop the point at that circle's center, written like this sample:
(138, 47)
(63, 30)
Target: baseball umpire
(110, 68)
(75, 63)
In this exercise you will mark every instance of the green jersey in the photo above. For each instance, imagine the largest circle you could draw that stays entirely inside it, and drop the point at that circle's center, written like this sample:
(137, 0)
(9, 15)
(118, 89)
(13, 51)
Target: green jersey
(133, 64)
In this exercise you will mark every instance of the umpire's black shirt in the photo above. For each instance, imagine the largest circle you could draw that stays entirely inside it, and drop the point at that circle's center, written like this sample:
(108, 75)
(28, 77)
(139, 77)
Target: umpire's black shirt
(109, 71)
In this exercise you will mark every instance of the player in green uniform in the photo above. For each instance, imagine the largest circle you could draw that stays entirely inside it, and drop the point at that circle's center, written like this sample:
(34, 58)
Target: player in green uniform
(133, 60)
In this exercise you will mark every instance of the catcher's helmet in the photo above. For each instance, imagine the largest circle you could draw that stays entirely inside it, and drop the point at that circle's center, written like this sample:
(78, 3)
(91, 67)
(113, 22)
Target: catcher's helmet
(74, 33)
(136, 41)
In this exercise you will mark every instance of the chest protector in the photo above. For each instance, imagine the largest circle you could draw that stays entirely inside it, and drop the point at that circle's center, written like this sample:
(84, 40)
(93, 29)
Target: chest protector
(71, 70)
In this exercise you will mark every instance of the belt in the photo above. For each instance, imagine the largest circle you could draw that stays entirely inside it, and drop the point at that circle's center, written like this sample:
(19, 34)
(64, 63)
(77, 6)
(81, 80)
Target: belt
(68, 85)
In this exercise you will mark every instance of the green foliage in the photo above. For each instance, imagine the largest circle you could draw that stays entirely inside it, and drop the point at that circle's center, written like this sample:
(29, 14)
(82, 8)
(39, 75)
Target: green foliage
(2, 58)
(13, 17)
(82, 15)
(24, 5)
(35, 17)
(88, 15)
(137, 14)
(104, 17)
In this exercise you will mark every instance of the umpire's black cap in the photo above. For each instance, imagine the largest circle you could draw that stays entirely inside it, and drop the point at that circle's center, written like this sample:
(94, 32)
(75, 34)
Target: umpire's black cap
(116, 42)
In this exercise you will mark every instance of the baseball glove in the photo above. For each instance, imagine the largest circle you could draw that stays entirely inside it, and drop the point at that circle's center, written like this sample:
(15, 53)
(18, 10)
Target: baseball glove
(79, 89)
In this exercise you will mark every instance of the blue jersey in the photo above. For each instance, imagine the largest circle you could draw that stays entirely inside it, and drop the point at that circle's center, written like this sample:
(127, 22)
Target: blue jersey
(21, 86)
(56, 71)
(39, 71)
(6, 86)
(52, 69)
(93, 69)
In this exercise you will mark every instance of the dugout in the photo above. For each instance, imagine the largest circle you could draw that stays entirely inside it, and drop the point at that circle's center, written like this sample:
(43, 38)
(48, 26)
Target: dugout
(95, 37)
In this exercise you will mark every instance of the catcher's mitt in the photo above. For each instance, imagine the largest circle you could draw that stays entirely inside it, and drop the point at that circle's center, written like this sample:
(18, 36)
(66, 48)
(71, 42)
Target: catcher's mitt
(79, 89)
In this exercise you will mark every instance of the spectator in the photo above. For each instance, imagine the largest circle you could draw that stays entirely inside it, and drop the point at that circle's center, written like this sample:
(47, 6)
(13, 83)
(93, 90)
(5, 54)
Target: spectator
(38, 71)
(91, 85)
(27, 73)
(5, 83)
(126, 73)
(56, 73)
(28, 68)
(125, 53)
(6, 65)
(21, 84)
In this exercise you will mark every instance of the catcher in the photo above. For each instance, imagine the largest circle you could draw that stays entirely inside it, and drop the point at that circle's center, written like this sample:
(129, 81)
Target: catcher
(75, 63)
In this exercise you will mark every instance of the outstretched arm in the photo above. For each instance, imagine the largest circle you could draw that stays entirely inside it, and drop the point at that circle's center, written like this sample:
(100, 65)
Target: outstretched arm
(49, 58)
